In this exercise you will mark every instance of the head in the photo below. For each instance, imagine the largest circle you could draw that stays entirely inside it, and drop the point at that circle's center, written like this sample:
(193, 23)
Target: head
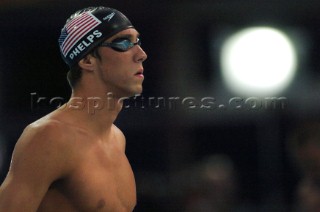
(88, 31)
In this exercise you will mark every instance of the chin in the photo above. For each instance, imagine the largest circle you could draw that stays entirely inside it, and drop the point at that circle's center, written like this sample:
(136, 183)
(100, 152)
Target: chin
(129, 92)
(132, 93)
(137, 91)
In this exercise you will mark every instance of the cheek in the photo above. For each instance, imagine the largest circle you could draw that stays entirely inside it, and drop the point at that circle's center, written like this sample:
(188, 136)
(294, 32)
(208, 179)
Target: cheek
(116, 66)
(116, 61)
(119, 65)
(115, 72)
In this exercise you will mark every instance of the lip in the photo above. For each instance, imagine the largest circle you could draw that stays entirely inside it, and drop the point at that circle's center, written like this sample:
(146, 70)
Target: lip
(139, 73)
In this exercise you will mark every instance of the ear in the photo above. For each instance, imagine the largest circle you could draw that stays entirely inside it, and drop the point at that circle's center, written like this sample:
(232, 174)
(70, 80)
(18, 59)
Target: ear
(87, 63)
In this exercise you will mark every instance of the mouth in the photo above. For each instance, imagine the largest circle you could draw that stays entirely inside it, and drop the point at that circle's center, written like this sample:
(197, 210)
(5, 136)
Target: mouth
(139, 73)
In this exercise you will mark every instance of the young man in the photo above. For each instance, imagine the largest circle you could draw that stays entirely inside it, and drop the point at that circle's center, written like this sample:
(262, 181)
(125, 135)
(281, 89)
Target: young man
(74, 158)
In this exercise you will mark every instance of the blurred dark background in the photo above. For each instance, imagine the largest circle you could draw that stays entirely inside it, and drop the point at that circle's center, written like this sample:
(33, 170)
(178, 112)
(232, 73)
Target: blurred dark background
(181, 157)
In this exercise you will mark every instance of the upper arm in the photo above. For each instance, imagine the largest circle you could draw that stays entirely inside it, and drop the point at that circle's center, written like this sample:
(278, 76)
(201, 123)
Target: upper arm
(37, 161)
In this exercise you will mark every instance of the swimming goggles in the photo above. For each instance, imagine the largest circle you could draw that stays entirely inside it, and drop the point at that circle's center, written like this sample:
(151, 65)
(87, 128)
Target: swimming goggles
(121, 44)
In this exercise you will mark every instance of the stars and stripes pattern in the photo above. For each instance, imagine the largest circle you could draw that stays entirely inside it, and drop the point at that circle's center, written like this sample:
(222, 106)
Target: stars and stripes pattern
(75, 30)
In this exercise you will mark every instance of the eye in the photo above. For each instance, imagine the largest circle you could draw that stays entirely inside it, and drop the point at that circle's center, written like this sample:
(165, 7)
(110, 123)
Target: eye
(122, 44)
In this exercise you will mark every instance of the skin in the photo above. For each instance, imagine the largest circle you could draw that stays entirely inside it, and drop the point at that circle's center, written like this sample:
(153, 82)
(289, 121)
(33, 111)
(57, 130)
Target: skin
(74, 158)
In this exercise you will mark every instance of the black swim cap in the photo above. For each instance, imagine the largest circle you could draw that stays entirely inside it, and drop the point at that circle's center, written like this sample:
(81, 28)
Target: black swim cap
(87, 28)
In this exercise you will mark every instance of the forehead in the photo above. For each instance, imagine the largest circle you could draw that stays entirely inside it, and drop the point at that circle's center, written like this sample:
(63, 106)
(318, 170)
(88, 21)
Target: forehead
(127, 32)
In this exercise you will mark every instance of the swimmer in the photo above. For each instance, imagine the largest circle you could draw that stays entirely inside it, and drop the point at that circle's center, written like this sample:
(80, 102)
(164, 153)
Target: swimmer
(73, 159)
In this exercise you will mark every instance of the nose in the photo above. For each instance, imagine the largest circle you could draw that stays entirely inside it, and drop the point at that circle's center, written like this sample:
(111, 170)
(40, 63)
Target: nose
(140, 55)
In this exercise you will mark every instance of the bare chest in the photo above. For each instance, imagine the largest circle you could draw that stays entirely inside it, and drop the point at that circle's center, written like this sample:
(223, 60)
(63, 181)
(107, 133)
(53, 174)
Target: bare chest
(101, 181)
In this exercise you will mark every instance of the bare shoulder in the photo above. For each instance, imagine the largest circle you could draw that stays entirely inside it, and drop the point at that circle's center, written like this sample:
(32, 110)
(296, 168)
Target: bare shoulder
(42, 143)
(43, 133)
(40, 157)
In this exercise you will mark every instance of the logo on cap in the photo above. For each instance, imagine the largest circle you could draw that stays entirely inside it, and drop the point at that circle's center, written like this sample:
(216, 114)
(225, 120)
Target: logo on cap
(108, 17)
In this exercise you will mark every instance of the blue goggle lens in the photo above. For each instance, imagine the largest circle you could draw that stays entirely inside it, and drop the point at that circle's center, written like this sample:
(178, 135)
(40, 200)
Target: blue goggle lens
(121, 45)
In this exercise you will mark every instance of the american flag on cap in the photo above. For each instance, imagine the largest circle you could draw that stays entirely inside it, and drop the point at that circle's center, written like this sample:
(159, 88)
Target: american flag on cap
(75, 30)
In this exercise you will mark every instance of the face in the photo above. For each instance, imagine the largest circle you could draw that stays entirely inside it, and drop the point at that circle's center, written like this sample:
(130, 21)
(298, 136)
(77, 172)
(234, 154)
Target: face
(122, 72)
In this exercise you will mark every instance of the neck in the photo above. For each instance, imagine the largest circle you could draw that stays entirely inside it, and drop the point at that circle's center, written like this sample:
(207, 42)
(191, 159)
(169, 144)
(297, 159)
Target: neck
(96, 112)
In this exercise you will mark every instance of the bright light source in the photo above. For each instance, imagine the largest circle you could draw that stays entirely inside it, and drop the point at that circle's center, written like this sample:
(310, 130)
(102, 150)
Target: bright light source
(258, 61)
